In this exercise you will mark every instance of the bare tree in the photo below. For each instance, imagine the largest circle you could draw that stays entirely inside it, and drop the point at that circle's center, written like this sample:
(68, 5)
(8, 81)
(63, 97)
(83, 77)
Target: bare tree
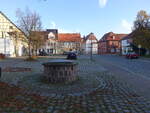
(15, 35)
(37, 40)
(28, 22)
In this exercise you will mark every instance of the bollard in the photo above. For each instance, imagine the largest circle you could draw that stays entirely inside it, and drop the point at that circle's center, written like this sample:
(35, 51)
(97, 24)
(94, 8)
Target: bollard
(0, 72)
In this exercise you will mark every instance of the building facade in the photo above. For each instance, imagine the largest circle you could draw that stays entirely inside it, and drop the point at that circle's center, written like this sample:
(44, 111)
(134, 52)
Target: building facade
(50, 41)
(110, 43)
(90, 44)
(69, 42)
(58, 43)
(11, 37)
(126, 44)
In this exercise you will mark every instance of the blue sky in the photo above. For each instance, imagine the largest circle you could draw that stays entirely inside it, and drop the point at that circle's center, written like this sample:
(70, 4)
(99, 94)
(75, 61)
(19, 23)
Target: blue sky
(84, 16)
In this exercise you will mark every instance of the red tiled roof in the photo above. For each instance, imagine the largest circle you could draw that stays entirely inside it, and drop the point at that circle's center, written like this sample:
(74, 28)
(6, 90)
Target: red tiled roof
(109, 36)
(69, 37)
(119, 36)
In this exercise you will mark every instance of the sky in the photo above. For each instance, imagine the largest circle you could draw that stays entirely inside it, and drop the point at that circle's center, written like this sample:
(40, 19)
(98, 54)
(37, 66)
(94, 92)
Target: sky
(81, 16)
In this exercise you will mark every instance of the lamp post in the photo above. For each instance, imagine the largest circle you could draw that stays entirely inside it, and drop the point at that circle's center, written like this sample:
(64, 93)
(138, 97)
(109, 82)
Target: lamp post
(91, 56)
(139, 46)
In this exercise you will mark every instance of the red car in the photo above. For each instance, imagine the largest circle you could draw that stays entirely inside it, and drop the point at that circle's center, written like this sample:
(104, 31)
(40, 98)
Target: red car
(132, 55)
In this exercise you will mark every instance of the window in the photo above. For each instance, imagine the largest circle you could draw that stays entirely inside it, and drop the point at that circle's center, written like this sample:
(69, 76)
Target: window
(113, 37)
(51, 35)
(48, 50)
(54, 44)
(10, 27)
(51, 44)
(48, 44)
(66, 43)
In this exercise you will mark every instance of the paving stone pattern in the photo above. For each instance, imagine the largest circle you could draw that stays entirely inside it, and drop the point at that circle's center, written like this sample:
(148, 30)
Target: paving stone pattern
(109, 95)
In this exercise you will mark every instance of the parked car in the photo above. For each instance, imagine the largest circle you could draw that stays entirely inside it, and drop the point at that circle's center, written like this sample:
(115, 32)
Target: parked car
(72, 56)
(132, 55)
(65, 53)
(42, 53)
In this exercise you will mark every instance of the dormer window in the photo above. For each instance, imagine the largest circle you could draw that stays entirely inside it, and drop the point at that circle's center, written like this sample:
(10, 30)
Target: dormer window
(51, 35)
(113, 37)
(10, 27)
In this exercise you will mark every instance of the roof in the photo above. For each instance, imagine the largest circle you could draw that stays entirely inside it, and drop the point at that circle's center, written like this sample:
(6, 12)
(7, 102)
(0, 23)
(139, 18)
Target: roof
(90, 36)
(69, 37)
(12, 23)
(45, 33)
(54, 31)
(109, 36)
(129, 36)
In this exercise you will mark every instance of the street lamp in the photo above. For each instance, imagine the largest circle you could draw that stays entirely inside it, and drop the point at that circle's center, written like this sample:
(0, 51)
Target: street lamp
(139, 46)
(91, 51)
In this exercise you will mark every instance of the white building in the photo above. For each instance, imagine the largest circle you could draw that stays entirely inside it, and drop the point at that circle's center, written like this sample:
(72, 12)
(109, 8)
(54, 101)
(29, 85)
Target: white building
(59, 43)
(90, 44)
(50, 37)
(126, 45)
(11, 43)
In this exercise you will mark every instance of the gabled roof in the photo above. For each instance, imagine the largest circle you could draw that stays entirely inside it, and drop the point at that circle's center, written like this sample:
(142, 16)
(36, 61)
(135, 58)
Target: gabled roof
(12, 22)
(44, 34)
(54, 31)
(129, 36)
(110, 35)
(90, 36)
(69, 37)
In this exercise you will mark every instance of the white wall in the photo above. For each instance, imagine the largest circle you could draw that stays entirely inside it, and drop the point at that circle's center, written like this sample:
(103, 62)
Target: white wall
(125, 47)
(88, 47)
(6, 46)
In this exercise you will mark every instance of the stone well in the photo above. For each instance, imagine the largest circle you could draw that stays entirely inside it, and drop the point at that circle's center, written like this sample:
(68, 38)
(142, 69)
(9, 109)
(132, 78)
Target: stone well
(60, 71)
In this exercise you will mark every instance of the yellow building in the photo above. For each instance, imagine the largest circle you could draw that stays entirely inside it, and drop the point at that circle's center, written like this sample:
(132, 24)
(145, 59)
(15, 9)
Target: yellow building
(12, 39)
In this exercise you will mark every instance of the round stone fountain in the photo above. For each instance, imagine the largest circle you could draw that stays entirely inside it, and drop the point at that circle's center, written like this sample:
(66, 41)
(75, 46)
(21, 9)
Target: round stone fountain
(60, 71)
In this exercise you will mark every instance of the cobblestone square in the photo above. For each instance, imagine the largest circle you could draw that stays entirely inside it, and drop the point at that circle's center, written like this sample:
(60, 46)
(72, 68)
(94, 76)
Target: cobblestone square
(97, 90)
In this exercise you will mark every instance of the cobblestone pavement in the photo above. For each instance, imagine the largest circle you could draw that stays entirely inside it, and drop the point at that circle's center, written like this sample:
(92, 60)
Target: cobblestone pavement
(135, 72)
(137, 66)
(110, 95)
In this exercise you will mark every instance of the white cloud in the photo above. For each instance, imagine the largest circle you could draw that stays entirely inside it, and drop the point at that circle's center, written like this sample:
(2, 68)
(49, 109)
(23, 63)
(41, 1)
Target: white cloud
(126, 25)
(102, 3)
